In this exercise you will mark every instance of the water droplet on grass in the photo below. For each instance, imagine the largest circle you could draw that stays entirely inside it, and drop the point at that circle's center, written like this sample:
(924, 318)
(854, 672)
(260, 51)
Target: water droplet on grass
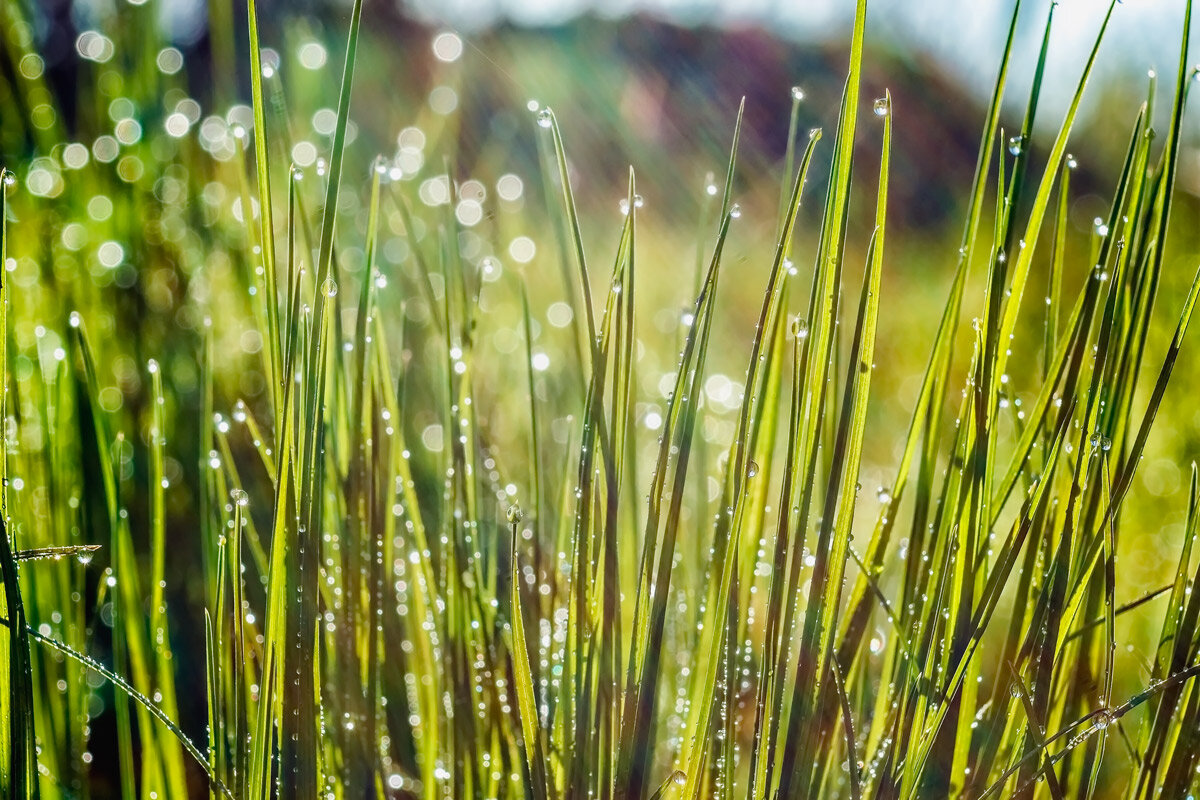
(882, 107)
(545, 118)
(514, 513)
(797, 93)
(329, 287)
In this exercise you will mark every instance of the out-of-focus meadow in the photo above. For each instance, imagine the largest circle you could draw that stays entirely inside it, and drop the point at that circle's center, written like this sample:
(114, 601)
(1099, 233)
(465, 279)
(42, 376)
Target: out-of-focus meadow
(133, 217)
(127, 150)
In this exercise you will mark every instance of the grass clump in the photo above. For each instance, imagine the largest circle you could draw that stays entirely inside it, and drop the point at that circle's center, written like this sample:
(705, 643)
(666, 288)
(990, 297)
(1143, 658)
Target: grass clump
(417, 563)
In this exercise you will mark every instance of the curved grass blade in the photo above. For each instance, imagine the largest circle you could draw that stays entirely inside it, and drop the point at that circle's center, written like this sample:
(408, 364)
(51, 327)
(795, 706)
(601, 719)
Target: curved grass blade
(55, 553)
(128, 690)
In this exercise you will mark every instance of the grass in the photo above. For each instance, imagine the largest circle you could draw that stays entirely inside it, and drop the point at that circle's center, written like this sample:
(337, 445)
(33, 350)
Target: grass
(360, 524)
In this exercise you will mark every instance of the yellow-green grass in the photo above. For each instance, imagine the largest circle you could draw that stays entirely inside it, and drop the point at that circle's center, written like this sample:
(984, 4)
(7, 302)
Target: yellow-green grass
(392, 501)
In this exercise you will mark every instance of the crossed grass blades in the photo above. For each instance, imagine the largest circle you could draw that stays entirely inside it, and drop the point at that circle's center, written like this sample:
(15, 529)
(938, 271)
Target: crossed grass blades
(492, 613)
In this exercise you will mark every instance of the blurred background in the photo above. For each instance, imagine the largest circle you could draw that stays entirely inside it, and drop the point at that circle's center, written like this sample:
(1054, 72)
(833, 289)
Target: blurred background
(648, 84)
(126, 123)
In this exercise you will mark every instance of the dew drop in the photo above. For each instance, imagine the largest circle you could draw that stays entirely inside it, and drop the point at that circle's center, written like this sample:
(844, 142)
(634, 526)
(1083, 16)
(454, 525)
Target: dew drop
(329, 287)
(514, 513)
(751, 469)
(545, 118)
(1016, 145)
(735, 210)
(882, 107)
(797, 93)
